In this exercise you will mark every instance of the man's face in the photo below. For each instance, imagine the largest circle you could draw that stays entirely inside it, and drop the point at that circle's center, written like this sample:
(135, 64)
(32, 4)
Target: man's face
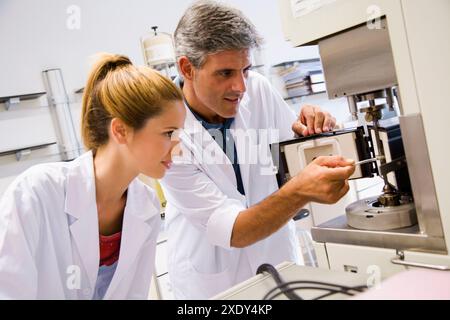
(220, 83)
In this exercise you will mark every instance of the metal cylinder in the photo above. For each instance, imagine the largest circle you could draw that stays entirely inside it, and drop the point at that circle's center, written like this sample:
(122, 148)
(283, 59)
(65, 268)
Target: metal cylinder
(390, 99)
(352, 106)
(59, 105)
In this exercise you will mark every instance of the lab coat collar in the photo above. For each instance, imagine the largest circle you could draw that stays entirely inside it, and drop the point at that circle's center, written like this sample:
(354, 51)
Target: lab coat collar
(200, 144)
(80, 192)
(136, 230)
(203, 145)
(81, 207)
(241, 121)
(193, 126)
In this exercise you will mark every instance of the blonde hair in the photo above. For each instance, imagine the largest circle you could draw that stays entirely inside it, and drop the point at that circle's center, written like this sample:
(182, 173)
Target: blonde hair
(118, 89)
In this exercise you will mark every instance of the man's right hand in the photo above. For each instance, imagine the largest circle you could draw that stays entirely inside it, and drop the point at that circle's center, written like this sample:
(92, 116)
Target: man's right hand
(325, 180)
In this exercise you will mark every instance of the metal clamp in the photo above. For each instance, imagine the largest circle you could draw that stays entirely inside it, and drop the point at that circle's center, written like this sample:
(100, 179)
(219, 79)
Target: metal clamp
(21, 154)
(400, 260)
(11, 102)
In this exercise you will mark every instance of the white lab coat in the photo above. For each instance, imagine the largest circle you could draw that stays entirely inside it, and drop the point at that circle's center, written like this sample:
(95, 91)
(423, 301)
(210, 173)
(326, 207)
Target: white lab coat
(203, 200)
(49, 235)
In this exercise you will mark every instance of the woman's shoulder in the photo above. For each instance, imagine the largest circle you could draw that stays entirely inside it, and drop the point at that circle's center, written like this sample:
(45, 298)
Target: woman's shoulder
(43, 179)
(41, 176)
(32, 192)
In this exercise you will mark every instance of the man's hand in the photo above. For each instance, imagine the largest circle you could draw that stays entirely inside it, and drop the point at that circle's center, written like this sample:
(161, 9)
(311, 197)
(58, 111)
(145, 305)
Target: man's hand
(313, 120)
(325, 180)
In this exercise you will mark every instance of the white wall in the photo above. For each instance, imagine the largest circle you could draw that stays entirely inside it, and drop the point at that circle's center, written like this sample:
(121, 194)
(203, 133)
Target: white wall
(34, 36)
(37, 37)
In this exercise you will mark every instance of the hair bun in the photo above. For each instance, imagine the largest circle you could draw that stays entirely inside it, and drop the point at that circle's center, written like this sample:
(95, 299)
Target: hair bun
(107, 62)
(111, 62)
(116, 60)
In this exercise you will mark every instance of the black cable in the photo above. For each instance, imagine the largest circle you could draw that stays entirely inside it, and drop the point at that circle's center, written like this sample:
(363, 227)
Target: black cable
(345, 290)
(272, 271)
(329, 294)
(282, 286)
(331, 291)
(324, 295)
(285, 288)
(358, 288)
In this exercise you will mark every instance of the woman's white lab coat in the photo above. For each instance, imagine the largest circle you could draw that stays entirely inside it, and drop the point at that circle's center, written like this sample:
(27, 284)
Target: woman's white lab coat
(49, 235)
(203, 200)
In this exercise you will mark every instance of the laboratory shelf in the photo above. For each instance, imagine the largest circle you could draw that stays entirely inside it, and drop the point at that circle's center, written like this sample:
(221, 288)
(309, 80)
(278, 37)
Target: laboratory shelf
(16, 99)
(304, 95)
(22, 97)
(18, 151)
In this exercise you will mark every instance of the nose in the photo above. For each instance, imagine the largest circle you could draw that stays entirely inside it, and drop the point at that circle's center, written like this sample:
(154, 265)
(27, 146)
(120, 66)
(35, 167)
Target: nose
(239, 83)
(176, 149)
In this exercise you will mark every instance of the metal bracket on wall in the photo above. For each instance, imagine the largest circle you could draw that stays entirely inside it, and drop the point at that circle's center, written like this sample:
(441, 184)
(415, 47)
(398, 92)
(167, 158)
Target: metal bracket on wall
(11, 102)
(15, 100)
(24, 152)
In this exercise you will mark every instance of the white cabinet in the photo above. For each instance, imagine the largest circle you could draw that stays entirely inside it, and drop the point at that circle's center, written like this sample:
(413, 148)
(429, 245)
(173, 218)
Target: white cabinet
(371, 261)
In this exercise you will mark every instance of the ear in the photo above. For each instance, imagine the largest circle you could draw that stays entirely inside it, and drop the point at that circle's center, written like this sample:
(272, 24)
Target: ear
(120, 132)
(186, 68)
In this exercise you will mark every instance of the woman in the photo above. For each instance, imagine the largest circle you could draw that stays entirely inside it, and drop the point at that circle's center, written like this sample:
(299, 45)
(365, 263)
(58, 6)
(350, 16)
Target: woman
(87, 229)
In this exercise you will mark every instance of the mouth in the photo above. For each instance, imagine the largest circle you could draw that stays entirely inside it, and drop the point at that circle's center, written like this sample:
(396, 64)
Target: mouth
(167, 164)
(234, 101)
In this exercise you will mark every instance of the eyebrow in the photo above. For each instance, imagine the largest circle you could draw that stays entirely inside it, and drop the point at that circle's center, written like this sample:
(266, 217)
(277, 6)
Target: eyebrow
(229, 69)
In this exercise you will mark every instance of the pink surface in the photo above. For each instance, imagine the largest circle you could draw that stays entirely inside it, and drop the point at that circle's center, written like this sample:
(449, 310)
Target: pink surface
(413, 284)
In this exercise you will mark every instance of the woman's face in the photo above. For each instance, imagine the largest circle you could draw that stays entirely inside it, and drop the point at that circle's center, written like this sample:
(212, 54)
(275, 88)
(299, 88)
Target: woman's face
(151, 147)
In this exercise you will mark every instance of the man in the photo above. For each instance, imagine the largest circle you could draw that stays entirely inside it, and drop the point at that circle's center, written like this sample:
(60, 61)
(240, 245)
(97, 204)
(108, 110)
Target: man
(225, 215)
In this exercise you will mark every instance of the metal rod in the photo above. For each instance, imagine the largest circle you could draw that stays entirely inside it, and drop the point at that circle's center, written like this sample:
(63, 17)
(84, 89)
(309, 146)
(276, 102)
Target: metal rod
(369, 160)
(419, 265)
(380, 149)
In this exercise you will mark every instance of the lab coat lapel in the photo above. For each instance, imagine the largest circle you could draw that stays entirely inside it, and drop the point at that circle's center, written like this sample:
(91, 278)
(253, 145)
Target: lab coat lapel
(212, 158)
(80, 205)
(242, 143)
(136, 230)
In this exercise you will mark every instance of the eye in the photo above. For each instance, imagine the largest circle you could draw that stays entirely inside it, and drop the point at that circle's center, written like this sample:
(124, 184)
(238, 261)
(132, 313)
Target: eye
(169, 133)
(225, 73)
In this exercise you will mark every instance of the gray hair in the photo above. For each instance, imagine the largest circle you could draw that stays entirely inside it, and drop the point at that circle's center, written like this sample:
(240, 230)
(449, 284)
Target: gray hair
(208, 27)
